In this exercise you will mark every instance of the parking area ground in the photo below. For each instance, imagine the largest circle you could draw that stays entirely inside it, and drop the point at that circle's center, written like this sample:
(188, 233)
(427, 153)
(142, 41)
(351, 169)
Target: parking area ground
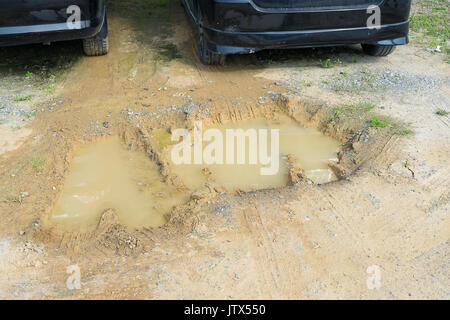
(388, 211)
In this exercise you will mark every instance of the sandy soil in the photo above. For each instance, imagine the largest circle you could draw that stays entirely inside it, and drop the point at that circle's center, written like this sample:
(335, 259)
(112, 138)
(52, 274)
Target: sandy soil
(389, 211)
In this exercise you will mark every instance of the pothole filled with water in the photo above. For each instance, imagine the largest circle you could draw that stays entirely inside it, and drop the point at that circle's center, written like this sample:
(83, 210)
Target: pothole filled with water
(105, 175)
(302, 147)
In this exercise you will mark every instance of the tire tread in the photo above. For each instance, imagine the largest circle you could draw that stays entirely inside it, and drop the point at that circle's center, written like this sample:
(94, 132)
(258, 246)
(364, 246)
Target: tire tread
(378, 50)
(96, 47)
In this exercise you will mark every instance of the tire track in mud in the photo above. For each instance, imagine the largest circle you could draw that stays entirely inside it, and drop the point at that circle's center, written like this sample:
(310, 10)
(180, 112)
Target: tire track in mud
(388, 153)
(444, 120)
(339, 207)
(263, 245)
(435, 260)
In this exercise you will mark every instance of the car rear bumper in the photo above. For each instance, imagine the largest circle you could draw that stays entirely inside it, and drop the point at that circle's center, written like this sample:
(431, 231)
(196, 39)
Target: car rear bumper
(41, 32)
(240, 26)
(224, 42)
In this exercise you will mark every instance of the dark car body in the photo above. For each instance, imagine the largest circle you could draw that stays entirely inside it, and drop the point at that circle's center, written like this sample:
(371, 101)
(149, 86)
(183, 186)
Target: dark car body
(45, 21)
(243, 26)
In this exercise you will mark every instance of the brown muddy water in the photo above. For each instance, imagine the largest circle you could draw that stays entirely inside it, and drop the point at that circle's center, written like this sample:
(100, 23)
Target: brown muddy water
(105, 175)
(311, 149)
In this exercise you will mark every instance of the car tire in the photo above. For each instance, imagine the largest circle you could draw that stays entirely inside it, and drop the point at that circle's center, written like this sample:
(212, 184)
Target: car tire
(207, 56)
(377, 50)
(98, 45)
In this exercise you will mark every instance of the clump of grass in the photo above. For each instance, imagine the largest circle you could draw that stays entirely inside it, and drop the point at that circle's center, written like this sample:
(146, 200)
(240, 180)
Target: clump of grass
(441, 112)
(328, 63)
(395, 127)
(38, 164)
(28, 74)
(403, 132)
(377, 122)
(308, 83)
(30, 114)
(23, 98)
(50, 89)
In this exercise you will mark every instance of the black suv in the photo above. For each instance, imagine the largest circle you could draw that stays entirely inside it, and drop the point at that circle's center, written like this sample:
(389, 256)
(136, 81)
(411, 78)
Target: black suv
(46, 21)
(245, 26)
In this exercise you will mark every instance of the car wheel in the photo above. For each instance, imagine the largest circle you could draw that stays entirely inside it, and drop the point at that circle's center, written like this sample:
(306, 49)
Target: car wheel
(207, 56)
(377, 50)
(98, 45)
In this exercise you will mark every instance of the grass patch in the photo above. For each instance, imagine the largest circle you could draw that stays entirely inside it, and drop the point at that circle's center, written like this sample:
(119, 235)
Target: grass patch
(328, 63)
(30, 114)
(352, 117)
(441, 112)
(357, 109)
(50, 89)
(432, 21)
(377, 122)
(23, 98)
(403, 132)
(38, 164)
(307, 83)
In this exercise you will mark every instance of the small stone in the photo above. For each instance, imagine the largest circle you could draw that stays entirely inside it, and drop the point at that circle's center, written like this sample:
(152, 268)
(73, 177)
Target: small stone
(22, 233)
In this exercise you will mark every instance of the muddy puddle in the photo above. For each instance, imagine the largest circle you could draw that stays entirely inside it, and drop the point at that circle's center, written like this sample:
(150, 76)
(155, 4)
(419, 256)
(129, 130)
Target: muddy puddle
(106, 175)
(310, 150)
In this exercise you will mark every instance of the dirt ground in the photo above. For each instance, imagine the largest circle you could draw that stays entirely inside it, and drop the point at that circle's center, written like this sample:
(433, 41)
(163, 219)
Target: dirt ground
(388, 212)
